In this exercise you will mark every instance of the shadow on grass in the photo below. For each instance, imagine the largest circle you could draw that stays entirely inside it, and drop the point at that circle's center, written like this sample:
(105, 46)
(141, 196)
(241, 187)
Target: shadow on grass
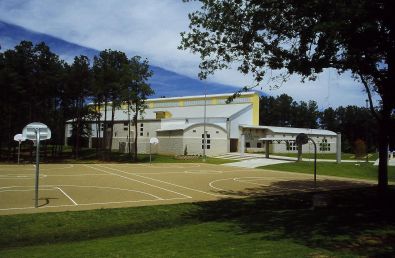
(358, 221)
(260, 189)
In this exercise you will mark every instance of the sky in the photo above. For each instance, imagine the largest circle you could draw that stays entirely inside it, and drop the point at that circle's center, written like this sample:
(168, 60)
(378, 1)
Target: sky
(151, 29)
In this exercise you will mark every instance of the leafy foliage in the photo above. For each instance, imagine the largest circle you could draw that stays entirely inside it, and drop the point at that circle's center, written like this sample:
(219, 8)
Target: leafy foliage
(303, 38)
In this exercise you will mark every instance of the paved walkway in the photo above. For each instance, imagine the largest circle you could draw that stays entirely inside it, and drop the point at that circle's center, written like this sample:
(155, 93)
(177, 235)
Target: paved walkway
(256, 162)
(253, 160)
(391, 162)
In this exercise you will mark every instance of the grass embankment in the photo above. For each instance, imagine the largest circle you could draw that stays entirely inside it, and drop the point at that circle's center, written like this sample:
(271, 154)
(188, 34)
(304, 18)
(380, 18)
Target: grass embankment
(359, 223)
(91, 156)
(344, 156)
(360, 170)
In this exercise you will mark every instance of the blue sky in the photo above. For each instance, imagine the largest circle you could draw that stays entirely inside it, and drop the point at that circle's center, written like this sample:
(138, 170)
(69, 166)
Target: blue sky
(151, 29)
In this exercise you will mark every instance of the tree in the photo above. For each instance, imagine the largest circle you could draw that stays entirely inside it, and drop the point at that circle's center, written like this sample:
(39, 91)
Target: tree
(31, 77)
(76, 93)
(136, 91)
(303, 37)
(108, 68)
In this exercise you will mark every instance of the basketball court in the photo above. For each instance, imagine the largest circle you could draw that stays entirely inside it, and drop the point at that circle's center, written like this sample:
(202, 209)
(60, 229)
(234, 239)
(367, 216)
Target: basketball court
(92, 186)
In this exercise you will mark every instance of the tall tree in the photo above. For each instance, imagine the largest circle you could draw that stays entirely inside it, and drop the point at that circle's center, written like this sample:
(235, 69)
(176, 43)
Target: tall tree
(303, 37)
(77, 90)
(31, 79)
(137, 72)
(108, 68)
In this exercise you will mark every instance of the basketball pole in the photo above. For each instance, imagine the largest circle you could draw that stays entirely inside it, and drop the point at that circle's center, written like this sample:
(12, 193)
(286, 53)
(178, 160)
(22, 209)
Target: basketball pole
(19, 151)
(37, 164)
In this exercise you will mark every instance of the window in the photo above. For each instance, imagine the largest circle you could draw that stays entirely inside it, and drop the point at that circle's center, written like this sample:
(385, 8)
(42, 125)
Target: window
(216, 131)
(125, 128)
(259, 145)
(194, 131)
(147, 134)
(208, 141)
(248, 145)
(324, 145)
(141, 134)
(292, 146)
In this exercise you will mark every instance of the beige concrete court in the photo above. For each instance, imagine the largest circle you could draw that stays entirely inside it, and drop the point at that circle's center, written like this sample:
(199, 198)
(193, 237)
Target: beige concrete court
(92, 186)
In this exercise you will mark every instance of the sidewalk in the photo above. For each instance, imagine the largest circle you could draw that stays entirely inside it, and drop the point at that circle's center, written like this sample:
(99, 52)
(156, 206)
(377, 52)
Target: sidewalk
(253, 160)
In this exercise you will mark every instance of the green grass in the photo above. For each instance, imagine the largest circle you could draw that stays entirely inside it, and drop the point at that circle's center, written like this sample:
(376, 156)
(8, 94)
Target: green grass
(360, 223)
(344, 156)
(360, 170)
(89, 156)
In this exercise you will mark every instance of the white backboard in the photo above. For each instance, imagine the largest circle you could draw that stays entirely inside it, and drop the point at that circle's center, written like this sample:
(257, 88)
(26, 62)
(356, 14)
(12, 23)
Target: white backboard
(19, 137)
(153, 140)
(29, 131)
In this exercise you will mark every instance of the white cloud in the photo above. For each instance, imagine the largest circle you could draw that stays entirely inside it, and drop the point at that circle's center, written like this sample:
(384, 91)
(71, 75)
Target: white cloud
(151, 28)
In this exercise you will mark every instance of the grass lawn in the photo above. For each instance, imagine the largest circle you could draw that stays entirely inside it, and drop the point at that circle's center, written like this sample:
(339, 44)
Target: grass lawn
(357, 223)
(345, 156)
(360, 170)
(87, 155)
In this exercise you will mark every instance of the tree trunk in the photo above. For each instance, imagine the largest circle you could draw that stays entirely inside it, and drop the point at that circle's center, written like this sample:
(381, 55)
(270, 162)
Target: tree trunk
(129, 145)
(98, 126)
(77, 131)
(104, 142)
(383, 149)
(112, 124)
(135, 134)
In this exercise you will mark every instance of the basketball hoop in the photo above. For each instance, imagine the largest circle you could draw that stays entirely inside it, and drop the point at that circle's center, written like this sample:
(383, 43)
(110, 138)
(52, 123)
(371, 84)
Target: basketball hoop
(36, 132)
(19, 138)
(153, 141)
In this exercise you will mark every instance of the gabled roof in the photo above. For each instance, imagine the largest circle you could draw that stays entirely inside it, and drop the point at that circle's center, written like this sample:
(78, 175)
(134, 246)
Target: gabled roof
(291, 130)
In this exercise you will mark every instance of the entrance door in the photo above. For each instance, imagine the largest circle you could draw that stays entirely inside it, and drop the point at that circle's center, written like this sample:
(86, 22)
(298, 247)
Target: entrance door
(234, 143)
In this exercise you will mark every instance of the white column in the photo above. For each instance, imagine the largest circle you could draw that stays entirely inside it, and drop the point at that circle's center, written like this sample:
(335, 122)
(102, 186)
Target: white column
(338, 148)
(242, 145)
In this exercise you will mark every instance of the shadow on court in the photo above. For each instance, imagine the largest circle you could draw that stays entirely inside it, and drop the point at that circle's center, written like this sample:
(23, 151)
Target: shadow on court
(46, 201)
(357, 220)
(292, 186)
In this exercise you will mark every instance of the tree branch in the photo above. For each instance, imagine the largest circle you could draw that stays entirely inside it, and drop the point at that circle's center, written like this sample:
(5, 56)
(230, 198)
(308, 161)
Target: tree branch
(366, 85)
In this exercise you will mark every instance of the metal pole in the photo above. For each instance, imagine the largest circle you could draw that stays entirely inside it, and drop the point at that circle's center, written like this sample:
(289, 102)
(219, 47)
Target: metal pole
(204, 124)
(367, 133)
(150, 153)
(37, 163)
(19, 151)
(315, 163)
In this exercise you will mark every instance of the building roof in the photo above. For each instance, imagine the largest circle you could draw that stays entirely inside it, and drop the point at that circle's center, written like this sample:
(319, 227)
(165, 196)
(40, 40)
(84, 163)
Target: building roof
(292, 130)
(213, 111)
(202, 96)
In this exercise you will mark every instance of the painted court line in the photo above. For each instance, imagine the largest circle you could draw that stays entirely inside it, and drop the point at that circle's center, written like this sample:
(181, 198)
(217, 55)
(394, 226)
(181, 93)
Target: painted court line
(82, 175)
(131, 179)
(164, 182)
(21, 176)
(112, 188)
(25, 190)
(45, 167)
(89, 204)
(71, 199)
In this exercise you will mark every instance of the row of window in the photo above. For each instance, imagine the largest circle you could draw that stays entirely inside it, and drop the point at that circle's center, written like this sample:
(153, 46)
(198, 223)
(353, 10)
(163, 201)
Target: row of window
(208, 141)
(292, 146)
